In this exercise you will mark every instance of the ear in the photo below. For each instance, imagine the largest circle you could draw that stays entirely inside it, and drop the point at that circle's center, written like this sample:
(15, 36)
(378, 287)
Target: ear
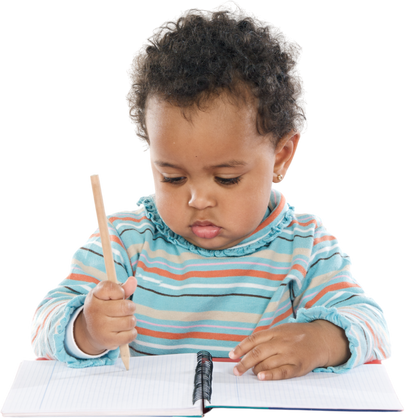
(284, 154)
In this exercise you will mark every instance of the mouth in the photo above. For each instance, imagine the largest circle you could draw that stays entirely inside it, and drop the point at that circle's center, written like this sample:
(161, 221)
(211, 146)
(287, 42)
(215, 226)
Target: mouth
(204, 223)
(205, 229)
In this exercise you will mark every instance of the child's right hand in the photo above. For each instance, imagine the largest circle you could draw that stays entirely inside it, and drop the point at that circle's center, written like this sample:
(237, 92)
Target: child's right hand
(107, 320)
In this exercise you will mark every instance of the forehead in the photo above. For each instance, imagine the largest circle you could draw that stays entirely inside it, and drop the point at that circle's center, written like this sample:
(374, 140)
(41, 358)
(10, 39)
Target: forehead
(220, 129)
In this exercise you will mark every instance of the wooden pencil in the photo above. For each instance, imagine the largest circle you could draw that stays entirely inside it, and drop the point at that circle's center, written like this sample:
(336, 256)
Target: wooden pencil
(107, 250)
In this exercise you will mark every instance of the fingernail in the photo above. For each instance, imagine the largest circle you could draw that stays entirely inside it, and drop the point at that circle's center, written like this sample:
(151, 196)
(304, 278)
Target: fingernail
(236, 372)
(261, 376)
(232, 354)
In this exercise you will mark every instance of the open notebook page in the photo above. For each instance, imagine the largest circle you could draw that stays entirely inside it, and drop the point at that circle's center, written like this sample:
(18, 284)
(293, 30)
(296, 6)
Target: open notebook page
(156, 385)
(366, 387)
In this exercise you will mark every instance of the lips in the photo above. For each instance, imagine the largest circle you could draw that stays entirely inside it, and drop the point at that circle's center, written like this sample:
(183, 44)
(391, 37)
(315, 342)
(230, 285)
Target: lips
(203, 223)
(205, 229)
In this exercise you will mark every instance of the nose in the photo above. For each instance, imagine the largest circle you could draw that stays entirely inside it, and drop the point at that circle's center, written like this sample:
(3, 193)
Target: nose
(201, 198)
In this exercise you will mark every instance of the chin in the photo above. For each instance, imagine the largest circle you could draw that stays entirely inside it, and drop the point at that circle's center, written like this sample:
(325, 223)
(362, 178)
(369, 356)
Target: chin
(207, 244)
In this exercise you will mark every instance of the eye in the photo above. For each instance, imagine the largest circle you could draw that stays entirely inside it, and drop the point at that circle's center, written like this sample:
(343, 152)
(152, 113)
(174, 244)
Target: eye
(225, 182)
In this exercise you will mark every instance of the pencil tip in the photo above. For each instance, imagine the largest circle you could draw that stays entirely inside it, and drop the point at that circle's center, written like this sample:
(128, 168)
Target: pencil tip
(125, 355)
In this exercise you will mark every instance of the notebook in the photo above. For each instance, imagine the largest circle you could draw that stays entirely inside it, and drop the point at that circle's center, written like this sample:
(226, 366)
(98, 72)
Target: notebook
(185, 384)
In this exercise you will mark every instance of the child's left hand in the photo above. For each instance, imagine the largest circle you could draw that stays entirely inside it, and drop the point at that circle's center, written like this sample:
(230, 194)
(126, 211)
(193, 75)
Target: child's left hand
(292, 350)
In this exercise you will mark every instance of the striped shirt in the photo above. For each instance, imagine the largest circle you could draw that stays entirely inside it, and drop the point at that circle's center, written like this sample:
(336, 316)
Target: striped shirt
(290, 269)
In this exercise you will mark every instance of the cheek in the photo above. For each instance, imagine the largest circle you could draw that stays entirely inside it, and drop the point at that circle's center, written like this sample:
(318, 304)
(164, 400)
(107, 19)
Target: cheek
(170, 205)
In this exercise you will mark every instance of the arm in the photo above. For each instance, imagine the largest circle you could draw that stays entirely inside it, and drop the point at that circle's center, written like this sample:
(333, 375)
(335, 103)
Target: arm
(54, 312)
(329, 292)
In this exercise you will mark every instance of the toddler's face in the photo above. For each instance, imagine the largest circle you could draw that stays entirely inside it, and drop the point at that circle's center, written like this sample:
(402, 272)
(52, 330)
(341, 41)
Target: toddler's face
(213, 172)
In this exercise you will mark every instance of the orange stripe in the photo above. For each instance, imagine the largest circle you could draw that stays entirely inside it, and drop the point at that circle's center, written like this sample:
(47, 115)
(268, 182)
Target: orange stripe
(113, 238)
(214, 273)
(262, 328)
(331, 288)
(35, 335)
(128, 218)
(273, 215)
(200, 335)
(300, 268)
(283, 316)
(325, 238)
(304, 223)
(82, 278)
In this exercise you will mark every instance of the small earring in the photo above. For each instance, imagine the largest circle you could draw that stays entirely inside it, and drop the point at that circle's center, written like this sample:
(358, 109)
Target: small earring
(280, 178)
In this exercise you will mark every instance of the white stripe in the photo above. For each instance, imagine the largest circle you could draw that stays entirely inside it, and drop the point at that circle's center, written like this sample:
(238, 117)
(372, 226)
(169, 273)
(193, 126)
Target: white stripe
(297, 229)
(337, 295)
(293, 277)
(372, 308)
(116, 252)
(148, 279)
(174, 347)
(88, 288)
(357, 308)
(208, 286)
(219, 286)
(133, 226)
(322, 250)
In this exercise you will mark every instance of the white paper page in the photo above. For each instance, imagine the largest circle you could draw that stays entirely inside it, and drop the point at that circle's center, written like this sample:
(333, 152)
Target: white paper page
(364, 388)
(155, 382)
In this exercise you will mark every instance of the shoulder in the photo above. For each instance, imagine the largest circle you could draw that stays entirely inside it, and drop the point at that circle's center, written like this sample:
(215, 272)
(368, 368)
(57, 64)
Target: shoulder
(311, 226)
(305, 221)
(131, 223)
(133, 218)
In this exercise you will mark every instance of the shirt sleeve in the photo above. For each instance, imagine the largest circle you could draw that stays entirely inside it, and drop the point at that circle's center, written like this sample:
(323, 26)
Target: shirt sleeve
(329, 292)
(56, 309)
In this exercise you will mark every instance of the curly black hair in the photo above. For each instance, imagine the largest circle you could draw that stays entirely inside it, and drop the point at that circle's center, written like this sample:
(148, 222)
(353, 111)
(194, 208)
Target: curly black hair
(204, 54)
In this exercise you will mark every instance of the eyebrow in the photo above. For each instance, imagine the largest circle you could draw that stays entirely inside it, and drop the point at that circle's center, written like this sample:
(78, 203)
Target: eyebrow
(228, 164)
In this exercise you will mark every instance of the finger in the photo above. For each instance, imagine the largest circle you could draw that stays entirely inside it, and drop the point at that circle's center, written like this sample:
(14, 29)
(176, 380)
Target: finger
(125, 323)
(107, 290)
(249, 343)
(121, 338)
(286, 371)
(270, 363)
(129, 286)
(116, 308)
(255, 356)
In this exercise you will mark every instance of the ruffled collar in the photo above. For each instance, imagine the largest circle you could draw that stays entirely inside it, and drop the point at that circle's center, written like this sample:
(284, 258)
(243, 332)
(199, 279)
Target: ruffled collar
(280, 216)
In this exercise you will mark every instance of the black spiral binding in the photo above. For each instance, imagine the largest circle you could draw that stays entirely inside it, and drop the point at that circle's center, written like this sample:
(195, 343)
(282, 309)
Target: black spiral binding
(203, 377)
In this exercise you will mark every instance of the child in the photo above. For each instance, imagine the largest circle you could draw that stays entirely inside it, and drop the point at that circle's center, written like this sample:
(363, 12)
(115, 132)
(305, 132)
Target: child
(216, 259)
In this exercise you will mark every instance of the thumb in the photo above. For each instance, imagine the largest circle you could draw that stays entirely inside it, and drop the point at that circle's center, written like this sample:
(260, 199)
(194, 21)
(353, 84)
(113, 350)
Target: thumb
(129, 286)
